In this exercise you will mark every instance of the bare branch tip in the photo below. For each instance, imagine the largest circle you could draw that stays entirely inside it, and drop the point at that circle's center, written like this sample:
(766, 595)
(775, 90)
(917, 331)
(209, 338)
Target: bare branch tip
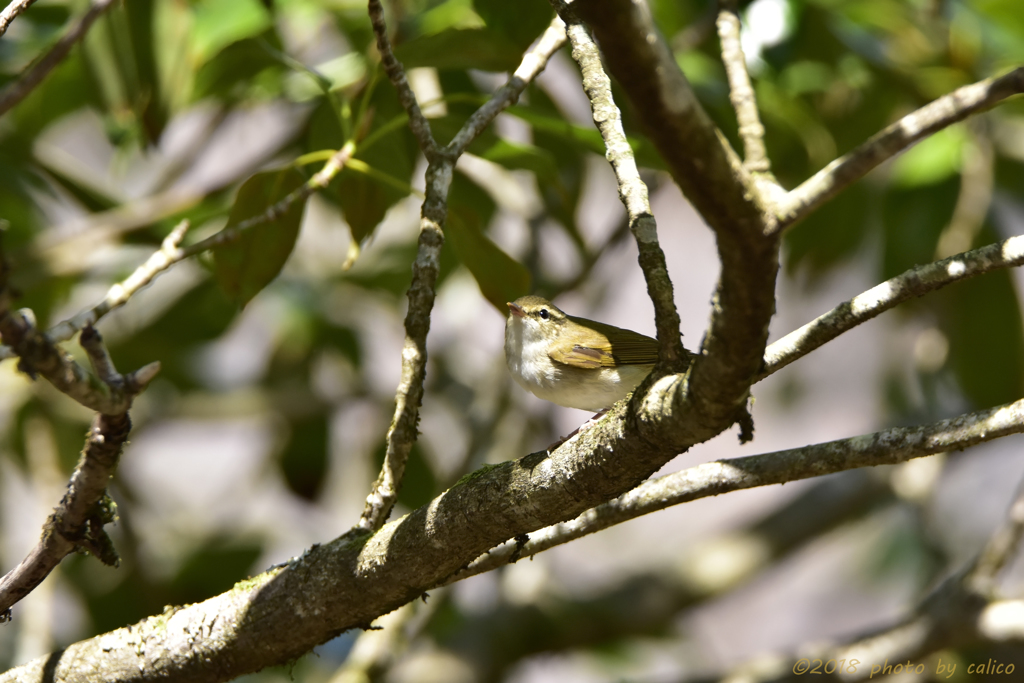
(174, 238)
(138, 381)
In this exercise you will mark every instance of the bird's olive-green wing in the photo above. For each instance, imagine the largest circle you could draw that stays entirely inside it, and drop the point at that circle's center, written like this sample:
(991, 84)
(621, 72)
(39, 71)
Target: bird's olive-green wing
(595, 345)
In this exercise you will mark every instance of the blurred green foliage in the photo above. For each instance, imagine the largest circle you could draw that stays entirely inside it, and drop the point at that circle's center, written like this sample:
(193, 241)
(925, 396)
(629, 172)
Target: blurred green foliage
(840, 71)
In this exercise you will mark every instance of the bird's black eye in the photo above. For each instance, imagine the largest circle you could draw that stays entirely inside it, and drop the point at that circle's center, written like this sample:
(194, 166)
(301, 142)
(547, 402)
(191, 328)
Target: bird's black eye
(544, 313)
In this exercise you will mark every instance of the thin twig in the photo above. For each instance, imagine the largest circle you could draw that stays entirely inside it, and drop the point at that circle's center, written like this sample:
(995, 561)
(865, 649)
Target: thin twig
(393, 68)
(78, 521)
(171, 252)
(408, 396)
(741, 93)
(847, 169)
(533, 63)
(632, 190)
(1001, 547)
(961, 610)
(319, 181)
(19, 89)
(887, 447)
(118, 295)
(910, 284)
(11, 12)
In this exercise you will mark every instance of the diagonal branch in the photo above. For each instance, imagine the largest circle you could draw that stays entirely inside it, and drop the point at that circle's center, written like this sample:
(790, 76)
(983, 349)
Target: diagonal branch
(741, 94)
(19, 89)
(402, 433)
(118, 295)
(632, 190)
(943, 112)
(1002, 547)
(913, 283)
(320, 180)
(39, 355)
(77, 523)
(11, 12)
(887, 447)
(533, 63)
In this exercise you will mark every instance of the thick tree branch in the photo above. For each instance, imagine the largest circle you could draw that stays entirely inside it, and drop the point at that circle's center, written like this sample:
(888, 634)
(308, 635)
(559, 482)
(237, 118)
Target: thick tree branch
(632, 190)
(727, 197)
(699, 158)
(741, 93)
(77, 523)
(913, 283)
(844, 171)
(11, 12)
(27, 82)
(279, 615)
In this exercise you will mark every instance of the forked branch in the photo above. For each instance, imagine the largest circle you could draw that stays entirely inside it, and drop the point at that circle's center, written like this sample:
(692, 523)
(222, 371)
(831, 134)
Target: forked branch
(409, 395)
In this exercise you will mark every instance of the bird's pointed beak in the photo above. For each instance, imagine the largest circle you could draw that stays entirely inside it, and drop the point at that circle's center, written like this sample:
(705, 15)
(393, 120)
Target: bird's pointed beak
(515, 309)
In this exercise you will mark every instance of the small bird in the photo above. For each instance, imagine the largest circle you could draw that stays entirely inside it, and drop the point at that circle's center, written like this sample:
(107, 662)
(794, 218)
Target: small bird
(574, 362)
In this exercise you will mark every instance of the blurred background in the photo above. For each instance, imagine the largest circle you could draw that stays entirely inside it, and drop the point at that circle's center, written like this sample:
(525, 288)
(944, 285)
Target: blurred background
(265, 427)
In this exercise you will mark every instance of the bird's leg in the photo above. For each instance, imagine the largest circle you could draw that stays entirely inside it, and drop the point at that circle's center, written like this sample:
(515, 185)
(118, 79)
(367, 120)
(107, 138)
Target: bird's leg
(597, 416)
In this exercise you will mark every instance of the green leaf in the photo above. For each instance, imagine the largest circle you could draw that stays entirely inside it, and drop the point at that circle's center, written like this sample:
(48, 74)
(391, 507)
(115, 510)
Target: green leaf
(515, 156)
(913, 219)
(364, 202)
(235, 64)
(304, 459)
(831, 233)
(500, 277)
(461, 49)
(456, 14)
(218, 23)
(341, 72)
(982, 320)
(520, 22)
(249, 264)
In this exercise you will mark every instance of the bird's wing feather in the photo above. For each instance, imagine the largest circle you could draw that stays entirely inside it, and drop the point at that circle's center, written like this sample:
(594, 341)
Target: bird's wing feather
(591, 349)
